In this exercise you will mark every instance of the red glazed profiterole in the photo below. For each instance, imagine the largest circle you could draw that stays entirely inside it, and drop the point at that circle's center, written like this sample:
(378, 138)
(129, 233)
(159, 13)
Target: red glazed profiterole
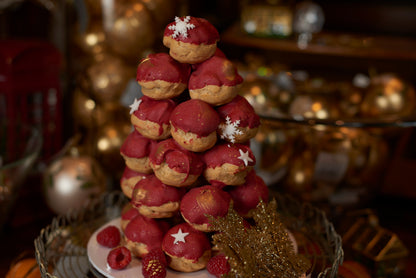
(128, 213)
(155, 199)
(228, 164)
(199, 202)
(174, 165)
(215, 81)
(161, 77)
(238, 110)
(247, 196)
(129, 179)
(143, 234)
(191, 40)
(194, 125)
(135, 150)
(151, 119)
(189, 252)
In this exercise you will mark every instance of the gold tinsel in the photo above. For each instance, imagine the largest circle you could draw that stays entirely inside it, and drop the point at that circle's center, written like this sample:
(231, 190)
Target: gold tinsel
(262, 250)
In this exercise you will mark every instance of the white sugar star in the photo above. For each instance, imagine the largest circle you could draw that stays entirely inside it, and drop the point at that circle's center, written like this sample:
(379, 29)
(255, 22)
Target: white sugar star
(181, 27)
(179, 236)
(244, 156)
(135, 105)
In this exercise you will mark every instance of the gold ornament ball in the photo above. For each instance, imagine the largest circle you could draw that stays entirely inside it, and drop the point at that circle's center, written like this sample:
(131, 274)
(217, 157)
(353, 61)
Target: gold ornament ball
(107, 143)
(92, 40)
(299, 179)
(163, 11)
(86, 112)
(108, 78)
(388, 95)
(70, 181)
(132, 30)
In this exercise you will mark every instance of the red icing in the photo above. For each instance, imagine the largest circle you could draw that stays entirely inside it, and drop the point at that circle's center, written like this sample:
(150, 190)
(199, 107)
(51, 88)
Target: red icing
(177, 158)
(217, 71)
(145, 230)
(248, 195)
(130, 214)
(136, 145)
(161, 66)
(129, 173)
(157, 111)
(202, 201)
(154, 193)
(195, 116)
(195, 245)
(239, 109)
(203, 32)
(227, 153)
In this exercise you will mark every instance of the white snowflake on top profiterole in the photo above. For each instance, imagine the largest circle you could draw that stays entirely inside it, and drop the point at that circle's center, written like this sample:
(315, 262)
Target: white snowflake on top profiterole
(230, 129)
(181, 27)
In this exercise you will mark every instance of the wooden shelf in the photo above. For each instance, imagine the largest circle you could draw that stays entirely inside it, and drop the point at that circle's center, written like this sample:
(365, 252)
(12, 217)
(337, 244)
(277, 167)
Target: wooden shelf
(331, 44)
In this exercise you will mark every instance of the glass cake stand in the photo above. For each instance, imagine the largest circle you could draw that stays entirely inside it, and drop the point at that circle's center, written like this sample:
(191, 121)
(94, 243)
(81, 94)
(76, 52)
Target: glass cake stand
(61, 246)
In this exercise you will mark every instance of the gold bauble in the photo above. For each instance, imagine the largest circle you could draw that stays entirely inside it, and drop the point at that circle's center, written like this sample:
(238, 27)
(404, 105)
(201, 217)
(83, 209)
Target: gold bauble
(131, 31)
(163, 11)
(107, 142)
(92, 40)
(72, 180)
(85, 111)
(299, 179)
(388, 95)
(108, 78)
(313, 106)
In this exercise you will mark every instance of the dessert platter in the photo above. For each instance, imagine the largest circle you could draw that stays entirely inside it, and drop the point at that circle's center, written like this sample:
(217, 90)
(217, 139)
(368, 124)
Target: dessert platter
(191, 203)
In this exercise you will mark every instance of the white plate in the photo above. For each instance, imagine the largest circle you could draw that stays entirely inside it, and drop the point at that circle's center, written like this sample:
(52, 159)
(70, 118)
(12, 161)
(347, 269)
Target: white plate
(97, 255)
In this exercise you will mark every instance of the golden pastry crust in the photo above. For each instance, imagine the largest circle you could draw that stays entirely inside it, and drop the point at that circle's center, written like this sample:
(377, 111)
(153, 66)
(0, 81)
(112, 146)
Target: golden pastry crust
(137, 249)
(150, 129)
(127, 185)
(159, 89)
(215, 95)
(186, 265)
(193, 142)
(162, 211)
(171, 177)
(141, 165)
(188, 52)
(228, 174)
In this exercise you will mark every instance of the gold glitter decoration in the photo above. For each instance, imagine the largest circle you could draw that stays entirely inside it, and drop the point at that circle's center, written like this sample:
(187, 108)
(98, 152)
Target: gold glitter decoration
(263, 250)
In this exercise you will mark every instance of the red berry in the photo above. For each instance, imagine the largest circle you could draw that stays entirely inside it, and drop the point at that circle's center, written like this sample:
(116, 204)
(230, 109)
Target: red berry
(119, 258)
(155, 254)
(153, 269)
(218, 265)
(109, 236)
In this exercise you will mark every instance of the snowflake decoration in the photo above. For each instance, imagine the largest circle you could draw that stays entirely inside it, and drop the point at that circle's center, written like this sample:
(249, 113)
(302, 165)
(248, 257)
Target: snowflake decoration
(179, 236)
(244, 156)
(181, 27)
(135, 105)
(230, 129)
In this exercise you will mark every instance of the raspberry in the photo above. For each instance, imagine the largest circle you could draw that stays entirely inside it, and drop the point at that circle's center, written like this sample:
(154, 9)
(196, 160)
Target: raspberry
(119, 258)
(218, 265)
(153, 269)
(109, 236)
(155, 254)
